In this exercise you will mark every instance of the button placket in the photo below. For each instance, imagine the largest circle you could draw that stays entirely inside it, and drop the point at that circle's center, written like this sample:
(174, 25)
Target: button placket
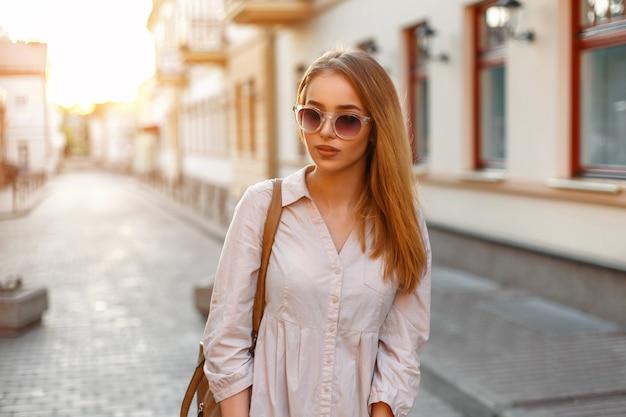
(332, 321)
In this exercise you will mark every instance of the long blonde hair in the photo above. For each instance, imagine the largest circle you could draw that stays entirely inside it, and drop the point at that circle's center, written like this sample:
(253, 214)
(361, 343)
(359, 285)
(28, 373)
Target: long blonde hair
(388, 203)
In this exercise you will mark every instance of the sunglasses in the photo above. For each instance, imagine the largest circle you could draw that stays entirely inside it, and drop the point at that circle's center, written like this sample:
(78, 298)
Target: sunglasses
(345, 125)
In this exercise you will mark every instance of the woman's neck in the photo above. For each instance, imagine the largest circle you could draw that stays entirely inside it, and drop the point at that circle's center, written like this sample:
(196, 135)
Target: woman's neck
(336, 197)
(334, 189)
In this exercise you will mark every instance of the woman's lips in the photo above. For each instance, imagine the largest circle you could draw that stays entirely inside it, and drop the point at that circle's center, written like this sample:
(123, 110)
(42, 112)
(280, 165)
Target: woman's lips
(327, 151)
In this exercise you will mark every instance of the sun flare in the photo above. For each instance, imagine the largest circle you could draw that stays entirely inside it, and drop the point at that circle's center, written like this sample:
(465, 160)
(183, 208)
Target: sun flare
(99, 50)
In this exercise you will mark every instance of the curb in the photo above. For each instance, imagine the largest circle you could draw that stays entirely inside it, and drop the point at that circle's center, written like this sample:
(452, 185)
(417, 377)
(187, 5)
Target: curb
(449, 386)
(27, 208)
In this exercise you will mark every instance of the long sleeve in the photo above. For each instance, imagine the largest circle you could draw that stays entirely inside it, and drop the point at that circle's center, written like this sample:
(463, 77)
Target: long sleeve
(227, 336)
(402, 338)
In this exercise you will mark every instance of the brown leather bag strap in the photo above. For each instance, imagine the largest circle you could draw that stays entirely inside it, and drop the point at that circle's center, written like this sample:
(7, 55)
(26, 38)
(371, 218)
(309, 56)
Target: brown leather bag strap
(269, 232)
(196, 380)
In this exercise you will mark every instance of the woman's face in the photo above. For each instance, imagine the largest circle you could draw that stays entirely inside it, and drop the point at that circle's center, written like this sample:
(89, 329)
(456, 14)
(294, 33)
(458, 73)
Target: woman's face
(333, 93)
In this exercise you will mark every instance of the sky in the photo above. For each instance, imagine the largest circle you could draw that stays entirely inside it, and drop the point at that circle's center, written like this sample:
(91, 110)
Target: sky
(99, 50)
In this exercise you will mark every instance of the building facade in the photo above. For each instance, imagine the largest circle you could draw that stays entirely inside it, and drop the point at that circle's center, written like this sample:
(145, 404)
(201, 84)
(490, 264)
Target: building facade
(113, 134)
(29, 135)
(517, 114)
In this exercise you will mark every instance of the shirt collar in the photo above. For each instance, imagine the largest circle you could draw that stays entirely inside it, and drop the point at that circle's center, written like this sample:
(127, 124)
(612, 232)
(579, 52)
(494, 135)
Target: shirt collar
(294, 186)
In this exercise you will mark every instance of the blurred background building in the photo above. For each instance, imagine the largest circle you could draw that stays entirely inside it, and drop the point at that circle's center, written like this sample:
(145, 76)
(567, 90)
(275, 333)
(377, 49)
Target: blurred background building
(517, 112)
(29, 123)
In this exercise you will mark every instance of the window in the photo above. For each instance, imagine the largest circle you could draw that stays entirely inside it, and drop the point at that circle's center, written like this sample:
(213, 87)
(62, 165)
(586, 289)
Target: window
(20, 101)
(599, 88)
(418, 92)
(489, 133)
(251, 115)
(245, 104)
(239, 126)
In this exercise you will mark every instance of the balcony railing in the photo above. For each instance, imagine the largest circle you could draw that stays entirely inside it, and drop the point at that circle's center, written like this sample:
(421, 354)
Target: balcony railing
(170, 69)
(204, 42)
(268, 12)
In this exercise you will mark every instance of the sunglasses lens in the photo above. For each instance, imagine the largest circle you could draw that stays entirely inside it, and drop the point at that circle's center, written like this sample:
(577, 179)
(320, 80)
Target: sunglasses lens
(348, 126)
(309, 119)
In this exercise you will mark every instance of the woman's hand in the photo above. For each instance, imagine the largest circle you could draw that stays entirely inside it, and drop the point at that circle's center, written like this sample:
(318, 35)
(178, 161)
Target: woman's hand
(381, 410)
(238, 405)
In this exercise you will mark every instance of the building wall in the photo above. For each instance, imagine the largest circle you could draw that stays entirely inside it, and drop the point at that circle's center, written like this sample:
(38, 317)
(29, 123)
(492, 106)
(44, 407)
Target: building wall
(579, 230)
(26, 120)
(251, 81)
(205, 127)
(113, 133)
(572, 240)
(537, 131)
(517, 213)
(23, 69)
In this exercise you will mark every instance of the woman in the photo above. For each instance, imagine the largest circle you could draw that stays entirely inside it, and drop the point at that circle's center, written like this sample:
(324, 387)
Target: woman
(348, 285)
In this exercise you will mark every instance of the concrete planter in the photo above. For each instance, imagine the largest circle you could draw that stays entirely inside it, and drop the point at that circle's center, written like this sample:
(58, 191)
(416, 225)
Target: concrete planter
(21, 309)
(202, 299)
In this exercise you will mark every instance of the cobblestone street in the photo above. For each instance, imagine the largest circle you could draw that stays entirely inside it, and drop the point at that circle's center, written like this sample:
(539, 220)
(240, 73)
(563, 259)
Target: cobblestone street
(121, 332)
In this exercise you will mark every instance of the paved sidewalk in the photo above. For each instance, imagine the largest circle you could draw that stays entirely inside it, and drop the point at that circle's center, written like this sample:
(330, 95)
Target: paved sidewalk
(12, 206)
(6, 200)
(497, 351)
(120, 337)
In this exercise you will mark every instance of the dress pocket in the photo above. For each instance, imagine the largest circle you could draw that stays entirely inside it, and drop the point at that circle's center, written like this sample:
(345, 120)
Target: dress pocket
(374, 278)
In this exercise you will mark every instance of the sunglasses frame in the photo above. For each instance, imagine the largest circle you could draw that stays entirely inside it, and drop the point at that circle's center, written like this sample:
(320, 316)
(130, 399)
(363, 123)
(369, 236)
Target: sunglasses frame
(332, 117)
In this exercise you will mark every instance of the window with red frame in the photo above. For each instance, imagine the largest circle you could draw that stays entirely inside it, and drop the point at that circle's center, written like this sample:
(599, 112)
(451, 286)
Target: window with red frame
(417, 92)
(489, 95)
(599, 88)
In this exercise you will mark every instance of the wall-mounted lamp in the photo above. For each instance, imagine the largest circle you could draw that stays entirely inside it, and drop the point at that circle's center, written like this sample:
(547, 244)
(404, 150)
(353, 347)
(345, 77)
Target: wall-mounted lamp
(424, 34)
(511, 20)
(370, 46)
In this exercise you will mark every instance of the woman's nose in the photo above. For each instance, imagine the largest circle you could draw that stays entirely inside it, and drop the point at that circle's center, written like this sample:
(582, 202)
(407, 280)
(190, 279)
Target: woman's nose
(327, 130)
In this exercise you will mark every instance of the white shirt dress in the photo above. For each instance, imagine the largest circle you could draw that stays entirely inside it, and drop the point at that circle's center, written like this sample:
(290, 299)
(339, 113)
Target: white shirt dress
(334, 337)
